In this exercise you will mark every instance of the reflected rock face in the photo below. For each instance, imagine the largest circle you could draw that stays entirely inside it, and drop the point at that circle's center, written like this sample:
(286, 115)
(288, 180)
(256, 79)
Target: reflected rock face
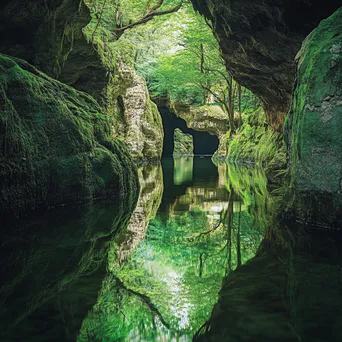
(183, 170)
(290, 291)
(51, 269)
(151, 191)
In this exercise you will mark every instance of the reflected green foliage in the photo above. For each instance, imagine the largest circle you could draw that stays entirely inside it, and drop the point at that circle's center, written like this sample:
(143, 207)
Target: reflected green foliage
(250, 185)
(169, 284)
(120, 315)
(183, 170)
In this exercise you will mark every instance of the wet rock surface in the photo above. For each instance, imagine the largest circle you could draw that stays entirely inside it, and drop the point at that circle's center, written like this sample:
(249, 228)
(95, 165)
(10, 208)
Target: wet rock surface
(56, 145)
(259, 41)
(314, 124)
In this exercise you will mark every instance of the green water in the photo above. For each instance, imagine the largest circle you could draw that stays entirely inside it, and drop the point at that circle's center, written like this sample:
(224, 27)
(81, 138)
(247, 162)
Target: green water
(162, 285)
(104, 273)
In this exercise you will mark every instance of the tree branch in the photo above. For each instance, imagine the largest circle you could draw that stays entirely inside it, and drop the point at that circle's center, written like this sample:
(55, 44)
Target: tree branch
(213, 93)
(100, 18)
(146, 300)
(149, 16)
(222, 219)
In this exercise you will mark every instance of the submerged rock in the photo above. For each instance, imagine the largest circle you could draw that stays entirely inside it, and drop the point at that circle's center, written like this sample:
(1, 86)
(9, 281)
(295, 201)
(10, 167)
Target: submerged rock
(184, 144)
(56, 145)
(314, 125)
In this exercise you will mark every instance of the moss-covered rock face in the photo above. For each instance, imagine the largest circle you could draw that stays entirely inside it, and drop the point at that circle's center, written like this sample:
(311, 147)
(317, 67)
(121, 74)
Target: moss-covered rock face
(136, 119)
(56, 145)
(259, 40)
(314, 124)
(49, 35)
(184, 144)
(208, 118)
(255, 142)
(62, 39)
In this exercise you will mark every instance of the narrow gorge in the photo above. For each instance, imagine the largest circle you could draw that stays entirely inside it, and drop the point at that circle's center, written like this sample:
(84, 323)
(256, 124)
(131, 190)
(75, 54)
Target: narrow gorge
(171, 170)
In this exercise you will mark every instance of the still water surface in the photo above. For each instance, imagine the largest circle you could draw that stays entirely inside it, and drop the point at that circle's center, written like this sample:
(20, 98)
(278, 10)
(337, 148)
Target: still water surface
(101, 273)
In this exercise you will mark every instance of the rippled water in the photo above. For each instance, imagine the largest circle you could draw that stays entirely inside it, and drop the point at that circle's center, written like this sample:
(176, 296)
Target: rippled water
(98, 273)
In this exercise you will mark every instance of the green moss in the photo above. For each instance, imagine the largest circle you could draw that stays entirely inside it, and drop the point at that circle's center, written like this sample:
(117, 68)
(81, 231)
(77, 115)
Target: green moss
(255, 142)
(184, 144)
(124, 88)
(56, 145)
(313, 127)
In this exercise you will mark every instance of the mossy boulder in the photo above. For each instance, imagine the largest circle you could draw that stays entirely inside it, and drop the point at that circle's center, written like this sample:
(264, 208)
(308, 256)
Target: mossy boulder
(183, 144)
(64, 39)
(314, 124)
(56, 145)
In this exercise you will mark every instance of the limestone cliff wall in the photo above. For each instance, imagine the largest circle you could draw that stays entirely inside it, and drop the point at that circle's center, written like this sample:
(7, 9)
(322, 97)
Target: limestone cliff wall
(210, 119)
(136, 118)
(183, 144)
(259, 40)
(58, 38)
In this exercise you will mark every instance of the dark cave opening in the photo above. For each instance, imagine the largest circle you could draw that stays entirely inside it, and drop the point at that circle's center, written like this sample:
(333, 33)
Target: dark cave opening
(204, 143)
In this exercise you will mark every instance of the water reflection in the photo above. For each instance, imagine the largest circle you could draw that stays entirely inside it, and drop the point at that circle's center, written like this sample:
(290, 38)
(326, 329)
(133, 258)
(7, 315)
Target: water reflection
(151, 191)
(183, 170)
(52, 268)
(165, 287)
(98, 274)
(290, 291)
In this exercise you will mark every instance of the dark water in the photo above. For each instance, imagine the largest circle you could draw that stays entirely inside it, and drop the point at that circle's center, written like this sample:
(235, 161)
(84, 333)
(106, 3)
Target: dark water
(200, 234)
